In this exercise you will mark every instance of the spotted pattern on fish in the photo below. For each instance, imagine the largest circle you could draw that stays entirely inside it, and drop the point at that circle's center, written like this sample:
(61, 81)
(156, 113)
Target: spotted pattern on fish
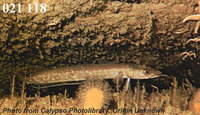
(98, 71)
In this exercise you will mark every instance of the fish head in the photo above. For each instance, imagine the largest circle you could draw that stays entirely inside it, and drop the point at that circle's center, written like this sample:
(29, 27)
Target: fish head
(143, 72)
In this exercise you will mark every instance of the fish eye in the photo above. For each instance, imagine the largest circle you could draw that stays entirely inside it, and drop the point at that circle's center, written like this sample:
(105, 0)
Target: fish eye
(146, 72)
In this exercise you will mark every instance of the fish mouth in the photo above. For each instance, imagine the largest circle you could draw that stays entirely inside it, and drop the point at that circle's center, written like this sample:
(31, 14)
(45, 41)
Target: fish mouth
(147, 77)
(163, 75)
(156, 76)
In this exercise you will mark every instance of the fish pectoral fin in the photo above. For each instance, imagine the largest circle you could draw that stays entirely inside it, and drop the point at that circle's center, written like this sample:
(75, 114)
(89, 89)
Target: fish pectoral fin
(127, 84)
(119, 78)
(120, 81)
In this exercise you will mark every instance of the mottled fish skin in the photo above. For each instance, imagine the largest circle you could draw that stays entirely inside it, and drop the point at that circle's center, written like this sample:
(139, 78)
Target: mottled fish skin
(98, 71)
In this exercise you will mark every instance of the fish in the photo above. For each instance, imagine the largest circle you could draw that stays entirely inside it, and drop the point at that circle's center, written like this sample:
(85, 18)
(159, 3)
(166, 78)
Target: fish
(95, 71)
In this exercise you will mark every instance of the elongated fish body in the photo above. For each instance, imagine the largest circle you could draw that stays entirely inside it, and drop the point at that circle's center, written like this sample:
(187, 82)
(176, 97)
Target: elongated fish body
(97, 71)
